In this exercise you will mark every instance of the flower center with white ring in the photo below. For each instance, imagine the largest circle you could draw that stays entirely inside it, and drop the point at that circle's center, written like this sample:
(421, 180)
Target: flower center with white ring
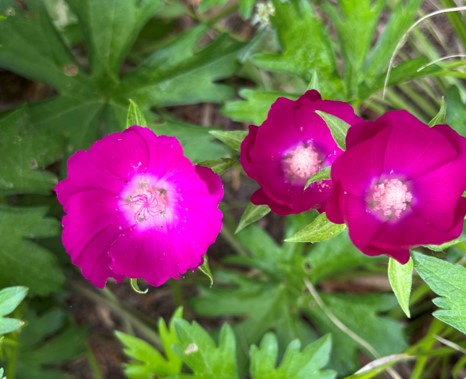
(146, 201)
(301, 162)
(389, 198)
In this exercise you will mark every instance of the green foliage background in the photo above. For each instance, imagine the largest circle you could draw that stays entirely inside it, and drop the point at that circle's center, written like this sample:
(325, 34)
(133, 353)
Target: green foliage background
(272, 312)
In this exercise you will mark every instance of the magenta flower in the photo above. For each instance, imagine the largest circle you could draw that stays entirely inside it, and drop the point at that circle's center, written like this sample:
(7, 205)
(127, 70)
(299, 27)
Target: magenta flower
(136, 207)
(399, 185)
(291, 145)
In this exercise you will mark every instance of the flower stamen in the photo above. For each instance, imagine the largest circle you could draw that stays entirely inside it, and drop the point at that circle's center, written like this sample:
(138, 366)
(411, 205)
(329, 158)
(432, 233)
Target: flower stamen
(146, 201)
(389, 198)
(301, 162)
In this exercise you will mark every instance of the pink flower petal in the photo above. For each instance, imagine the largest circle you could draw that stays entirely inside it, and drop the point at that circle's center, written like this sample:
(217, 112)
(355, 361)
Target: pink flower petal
(289, 147)
(89, 232)
(420, 167)
(137, 207)
(213, 182)
(359, 166)
(414, 150)
(362, 225)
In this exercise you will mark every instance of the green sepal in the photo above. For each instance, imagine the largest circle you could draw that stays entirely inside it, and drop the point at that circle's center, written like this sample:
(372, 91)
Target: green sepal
(252, 214)
(205, 269)
(337, 127)
(318, 176)
(401, 280)
(441, 116)
(232, 139)
(135, 116)
(135, 287)
(320, 229)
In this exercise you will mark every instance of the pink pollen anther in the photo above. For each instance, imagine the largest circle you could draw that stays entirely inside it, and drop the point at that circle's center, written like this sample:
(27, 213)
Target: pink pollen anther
(150, 203)
(300, 163)
(389, 198)
(147, 201)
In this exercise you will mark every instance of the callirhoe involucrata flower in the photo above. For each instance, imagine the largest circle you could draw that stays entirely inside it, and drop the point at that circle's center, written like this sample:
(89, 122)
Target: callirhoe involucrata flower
(290, 146)
(399, 184)
(136, 207)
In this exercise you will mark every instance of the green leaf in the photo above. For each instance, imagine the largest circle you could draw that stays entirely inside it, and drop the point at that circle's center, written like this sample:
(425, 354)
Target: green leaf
(403, 72)
(456, 110)
(320, 229)
(246, 7)
(79, 121)
(47, 343)
(145, 360)
(232, 139)
(31, 47)
(267, 302)
(335, 257)
(90, 105)
(165, 80)
(301, 56)
(449, 282)
(254, 107)
(361, 314)
(401, 280)
(8, 325)
(205, 5)
(198, 144)
(135, 116)
(23, 262)
(446, 245)
(318, 176)
(440, 117)
(219, 166)
(205, 269)
(201, 354)
(355, 24)
(109, 28)
(337, 126)
(10, 298)
(295, 364)
(402, 16)
(251, 214)
(24, 153)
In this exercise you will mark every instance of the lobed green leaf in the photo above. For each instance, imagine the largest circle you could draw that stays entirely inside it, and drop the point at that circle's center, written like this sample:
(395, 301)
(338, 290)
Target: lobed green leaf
(303, 56)
(25, 151)
(362, 315)
(295, 364)
(10, 298)
(202, 355)
(145, 360)
(449, 282)
(23, 262)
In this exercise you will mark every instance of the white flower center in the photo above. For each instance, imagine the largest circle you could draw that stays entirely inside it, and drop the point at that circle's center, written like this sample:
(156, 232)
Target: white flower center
(389, 198)
(300, 163)
(147, 201)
